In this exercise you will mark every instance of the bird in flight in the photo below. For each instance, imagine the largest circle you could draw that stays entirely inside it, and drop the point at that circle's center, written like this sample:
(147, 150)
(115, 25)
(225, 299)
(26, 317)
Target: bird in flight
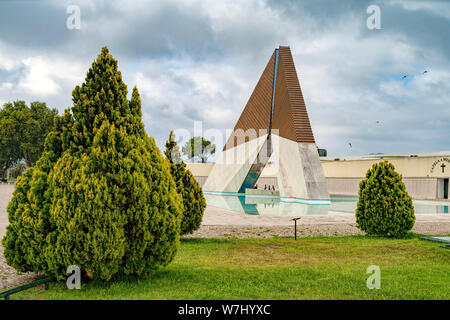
(405, 76)
(426, 71)
(350, 145)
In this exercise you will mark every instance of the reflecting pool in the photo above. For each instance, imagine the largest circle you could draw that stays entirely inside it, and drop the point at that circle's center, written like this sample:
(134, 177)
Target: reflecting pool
(272, 205)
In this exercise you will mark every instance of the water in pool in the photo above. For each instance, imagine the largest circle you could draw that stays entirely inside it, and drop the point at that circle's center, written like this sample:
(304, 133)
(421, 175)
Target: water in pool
(273, 205)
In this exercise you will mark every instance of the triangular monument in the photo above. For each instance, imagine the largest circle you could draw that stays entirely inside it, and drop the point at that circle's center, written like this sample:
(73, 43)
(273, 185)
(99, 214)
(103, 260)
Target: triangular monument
(274, 120)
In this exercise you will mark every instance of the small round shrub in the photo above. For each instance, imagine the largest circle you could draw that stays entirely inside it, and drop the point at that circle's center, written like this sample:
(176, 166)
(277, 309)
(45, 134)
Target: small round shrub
(384, 207)
(191, 191)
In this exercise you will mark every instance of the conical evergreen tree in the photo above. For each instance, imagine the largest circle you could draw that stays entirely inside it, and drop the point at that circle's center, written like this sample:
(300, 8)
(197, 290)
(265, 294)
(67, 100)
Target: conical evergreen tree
(101, 197)
(193, 199)
(31, 228)
(384, 207)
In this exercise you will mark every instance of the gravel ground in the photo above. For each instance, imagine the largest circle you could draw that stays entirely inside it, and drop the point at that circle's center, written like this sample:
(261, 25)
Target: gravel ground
(9, 277)
(220, 223)
(304, 230)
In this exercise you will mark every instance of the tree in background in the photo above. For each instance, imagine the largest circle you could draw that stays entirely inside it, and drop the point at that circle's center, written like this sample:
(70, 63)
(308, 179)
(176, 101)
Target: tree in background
(199, 147)
(16, 170)
(101, 196)
(384, 207)
(40, 123)
(193, 199)
(22, 132)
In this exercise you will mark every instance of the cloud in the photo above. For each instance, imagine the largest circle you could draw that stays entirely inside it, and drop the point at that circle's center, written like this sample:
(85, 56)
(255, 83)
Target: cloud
(44, 76)
(200, 60)
(440, 8)
(7, 61)
(38, 78)
(49, 78)
(175, 96)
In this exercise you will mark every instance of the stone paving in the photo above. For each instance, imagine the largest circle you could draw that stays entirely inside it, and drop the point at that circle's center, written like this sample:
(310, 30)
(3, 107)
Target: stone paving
(222, 217)
(9, 277)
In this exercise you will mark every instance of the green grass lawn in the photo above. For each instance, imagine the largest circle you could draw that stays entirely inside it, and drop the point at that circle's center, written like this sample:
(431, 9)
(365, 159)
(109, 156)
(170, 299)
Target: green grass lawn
(309, 268)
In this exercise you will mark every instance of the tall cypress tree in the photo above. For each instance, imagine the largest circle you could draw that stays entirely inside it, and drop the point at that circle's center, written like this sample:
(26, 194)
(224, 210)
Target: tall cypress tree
(193, 199)
(101, 197)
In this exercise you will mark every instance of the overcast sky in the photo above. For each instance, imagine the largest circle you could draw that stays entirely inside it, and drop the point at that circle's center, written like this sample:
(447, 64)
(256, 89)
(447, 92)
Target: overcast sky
(200, 61)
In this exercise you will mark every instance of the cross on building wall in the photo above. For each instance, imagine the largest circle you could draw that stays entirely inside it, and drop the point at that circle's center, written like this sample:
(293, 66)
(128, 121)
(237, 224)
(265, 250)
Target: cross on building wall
(443, 167)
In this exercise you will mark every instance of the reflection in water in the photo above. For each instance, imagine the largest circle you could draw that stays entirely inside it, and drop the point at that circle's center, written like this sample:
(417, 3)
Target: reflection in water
(271, 205)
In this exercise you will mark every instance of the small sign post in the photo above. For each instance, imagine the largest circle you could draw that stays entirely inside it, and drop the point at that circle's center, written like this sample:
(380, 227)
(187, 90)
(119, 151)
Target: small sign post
(295, 227)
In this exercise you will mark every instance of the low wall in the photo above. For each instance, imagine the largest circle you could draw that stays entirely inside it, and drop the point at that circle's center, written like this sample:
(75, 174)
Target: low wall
(418, 188)
(423, 177)
(343, 186)
(421, 188)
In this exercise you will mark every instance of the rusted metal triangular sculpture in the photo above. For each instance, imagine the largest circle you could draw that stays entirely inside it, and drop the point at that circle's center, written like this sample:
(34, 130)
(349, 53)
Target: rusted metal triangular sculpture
(274, 120)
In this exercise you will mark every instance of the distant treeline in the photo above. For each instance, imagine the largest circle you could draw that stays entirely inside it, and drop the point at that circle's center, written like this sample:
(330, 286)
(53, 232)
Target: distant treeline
(22, 134)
